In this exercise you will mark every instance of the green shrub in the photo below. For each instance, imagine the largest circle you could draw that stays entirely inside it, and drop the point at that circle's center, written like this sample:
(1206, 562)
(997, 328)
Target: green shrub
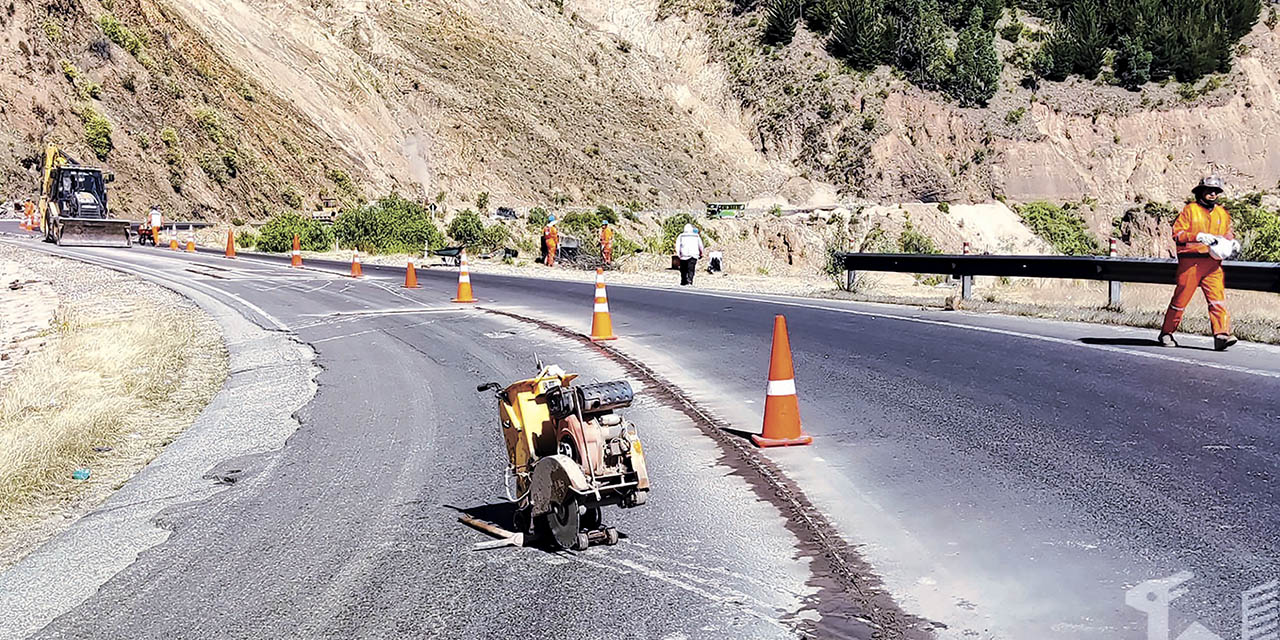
(276, 236)
(1015, 115)
(467, 229)
(944, 207)
(97, 132)
(343, 181)
(538, 218)
(1011, 31)
(912, 240)
(237, 222)
(247, 239)
(120, 34)
(1263, 244)
(672, 227)
(630, 215)
(1062, 227)
(482, 202)
(69, 70)
(389, 225)
(211, 124)
(607, 214)
(214, 167)
(582, 224)
(622, 246)
(291, 198)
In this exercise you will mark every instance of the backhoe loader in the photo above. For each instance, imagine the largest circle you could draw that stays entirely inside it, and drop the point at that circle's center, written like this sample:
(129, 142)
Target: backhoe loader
(73, 204)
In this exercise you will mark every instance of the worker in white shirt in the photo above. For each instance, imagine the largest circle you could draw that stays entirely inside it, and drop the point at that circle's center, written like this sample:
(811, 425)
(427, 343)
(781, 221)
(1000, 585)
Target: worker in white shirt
(689, 248)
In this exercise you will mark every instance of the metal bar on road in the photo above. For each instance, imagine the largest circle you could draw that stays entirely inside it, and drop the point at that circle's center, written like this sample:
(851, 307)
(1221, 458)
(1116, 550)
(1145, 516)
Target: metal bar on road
(1250, 276)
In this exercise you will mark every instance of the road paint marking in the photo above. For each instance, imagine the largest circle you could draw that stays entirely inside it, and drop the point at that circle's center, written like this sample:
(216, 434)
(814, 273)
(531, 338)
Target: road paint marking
(385, 312)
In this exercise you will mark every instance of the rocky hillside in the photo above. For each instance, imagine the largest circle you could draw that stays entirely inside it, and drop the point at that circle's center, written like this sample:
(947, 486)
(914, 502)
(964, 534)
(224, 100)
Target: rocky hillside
(224, 109)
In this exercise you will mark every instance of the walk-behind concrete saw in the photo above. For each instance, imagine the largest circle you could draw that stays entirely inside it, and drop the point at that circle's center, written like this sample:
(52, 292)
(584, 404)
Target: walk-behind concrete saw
(571, 455)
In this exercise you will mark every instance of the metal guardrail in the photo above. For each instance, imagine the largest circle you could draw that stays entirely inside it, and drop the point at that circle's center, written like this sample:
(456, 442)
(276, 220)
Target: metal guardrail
(1250, 276)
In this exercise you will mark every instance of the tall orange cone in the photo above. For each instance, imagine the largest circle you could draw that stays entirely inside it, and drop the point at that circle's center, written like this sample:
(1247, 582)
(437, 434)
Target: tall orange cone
(231, 243)
(601, 322)
(296, 261)
(781, 407)
(410, 277)
(356, 271)
(464, 281)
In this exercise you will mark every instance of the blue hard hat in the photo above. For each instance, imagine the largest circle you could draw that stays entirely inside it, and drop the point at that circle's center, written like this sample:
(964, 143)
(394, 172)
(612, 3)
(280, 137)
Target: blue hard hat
(551, 219)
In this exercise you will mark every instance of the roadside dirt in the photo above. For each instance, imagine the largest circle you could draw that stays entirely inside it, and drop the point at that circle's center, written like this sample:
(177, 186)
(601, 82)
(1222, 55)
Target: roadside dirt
(120, 368)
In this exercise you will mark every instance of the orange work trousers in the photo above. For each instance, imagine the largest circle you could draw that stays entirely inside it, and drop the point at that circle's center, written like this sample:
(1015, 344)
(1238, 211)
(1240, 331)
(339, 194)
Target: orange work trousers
(606, 252)
(1205, 272)
(551, 254)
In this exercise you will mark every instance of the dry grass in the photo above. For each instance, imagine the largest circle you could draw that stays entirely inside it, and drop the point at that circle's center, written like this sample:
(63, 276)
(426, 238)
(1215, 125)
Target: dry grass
(97, 382)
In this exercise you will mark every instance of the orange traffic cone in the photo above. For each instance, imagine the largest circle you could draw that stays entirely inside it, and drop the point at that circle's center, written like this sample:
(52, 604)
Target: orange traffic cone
(464, 281)
(601, 322)
(191, 244)
(231, 244)
(781, 407)
(410, 277)
(356, 272)
(296, 261)
(173, 243)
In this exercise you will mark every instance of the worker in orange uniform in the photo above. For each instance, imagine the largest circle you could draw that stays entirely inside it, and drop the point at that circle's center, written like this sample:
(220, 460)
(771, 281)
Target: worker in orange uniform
(29, 209)
(1202, 224)
(550, 240)
(606, 242)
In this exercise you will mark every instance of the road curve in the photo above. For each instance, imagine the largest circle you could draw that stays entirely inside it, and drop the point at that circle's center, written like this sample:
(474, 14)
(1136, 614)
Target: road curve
(1006, 477)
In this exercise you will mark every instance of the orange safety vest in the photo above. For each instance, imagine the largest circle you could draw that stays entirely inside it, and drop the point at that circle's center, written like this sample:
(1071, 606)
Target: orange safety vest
(550, 234)
(1195, 220)
(29, 208)
(606, 236)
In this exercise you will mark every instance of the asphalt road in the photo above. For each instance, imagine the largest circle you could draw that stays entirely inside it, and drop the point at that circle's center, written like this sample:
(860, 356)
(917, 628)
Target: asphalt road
(1003, 477)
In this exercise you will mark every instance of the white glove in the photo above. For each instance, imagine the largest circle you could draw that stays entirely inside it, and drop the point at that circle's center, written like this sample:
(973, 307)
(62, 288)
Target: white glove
(1206, 238)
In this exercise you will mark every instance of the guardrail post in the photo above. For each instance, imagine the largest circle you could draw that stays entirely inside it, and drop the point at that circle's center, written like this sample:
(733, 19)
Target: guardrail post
(966, 287)
(1113, 286)
(849, 276)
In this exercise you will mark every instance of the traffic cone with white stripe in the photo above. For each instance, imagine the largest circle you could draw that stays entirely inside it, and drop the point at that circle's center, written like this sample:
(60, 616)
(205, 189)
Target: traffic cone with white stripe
(231, 243)
(781, 407)
(173, 243)
(464, 281)
(191, 243)
(601, 321)
(356, 271)
(410, 276)
(296, 260)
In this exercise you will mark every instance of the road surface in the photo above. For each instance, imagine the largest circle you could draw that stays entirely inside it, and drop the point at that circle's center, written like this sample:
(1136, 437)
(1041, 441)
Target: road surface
(1001, 477)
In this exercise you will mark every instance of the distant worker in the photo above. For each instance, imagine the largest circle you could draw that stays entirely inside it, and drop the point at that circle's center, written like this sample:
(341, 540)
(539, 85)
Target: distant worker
(688, 249)
(606, 242)
(29, 210)
(1204, 238)
(550, 241)
(156, 222)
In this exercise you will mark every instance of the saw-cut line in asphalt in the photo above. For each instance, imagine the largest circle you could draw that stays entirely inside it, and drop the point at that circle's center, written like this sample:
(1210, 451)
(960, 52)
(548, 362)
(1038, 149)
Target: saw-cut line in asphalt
(840, 573)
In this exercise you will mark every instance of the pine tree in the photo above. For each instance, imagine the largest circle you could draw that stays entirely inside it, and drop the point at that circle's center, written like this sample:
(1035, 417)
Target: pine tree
(819, 15)
(1133, 63)
(921, 50)
(976, 75)
(858, 32)
(780, 20)
(1087, 40)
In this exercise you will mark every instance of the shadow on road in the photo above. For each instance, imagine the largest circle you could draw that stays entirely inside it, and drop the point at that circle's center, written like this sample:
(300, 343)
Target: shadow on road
(1135, 342)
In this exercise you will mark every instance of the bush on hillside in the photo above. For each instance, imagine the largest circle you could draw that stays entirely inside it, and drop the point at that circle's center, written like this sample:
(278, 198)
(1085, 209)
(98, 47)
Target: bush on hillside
(538, 218)
(276, 236)
(674, 226)
(389, 225)
(97, 132)
(912, 240)
(1062, 227)
(468, 229)
(780, 18)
